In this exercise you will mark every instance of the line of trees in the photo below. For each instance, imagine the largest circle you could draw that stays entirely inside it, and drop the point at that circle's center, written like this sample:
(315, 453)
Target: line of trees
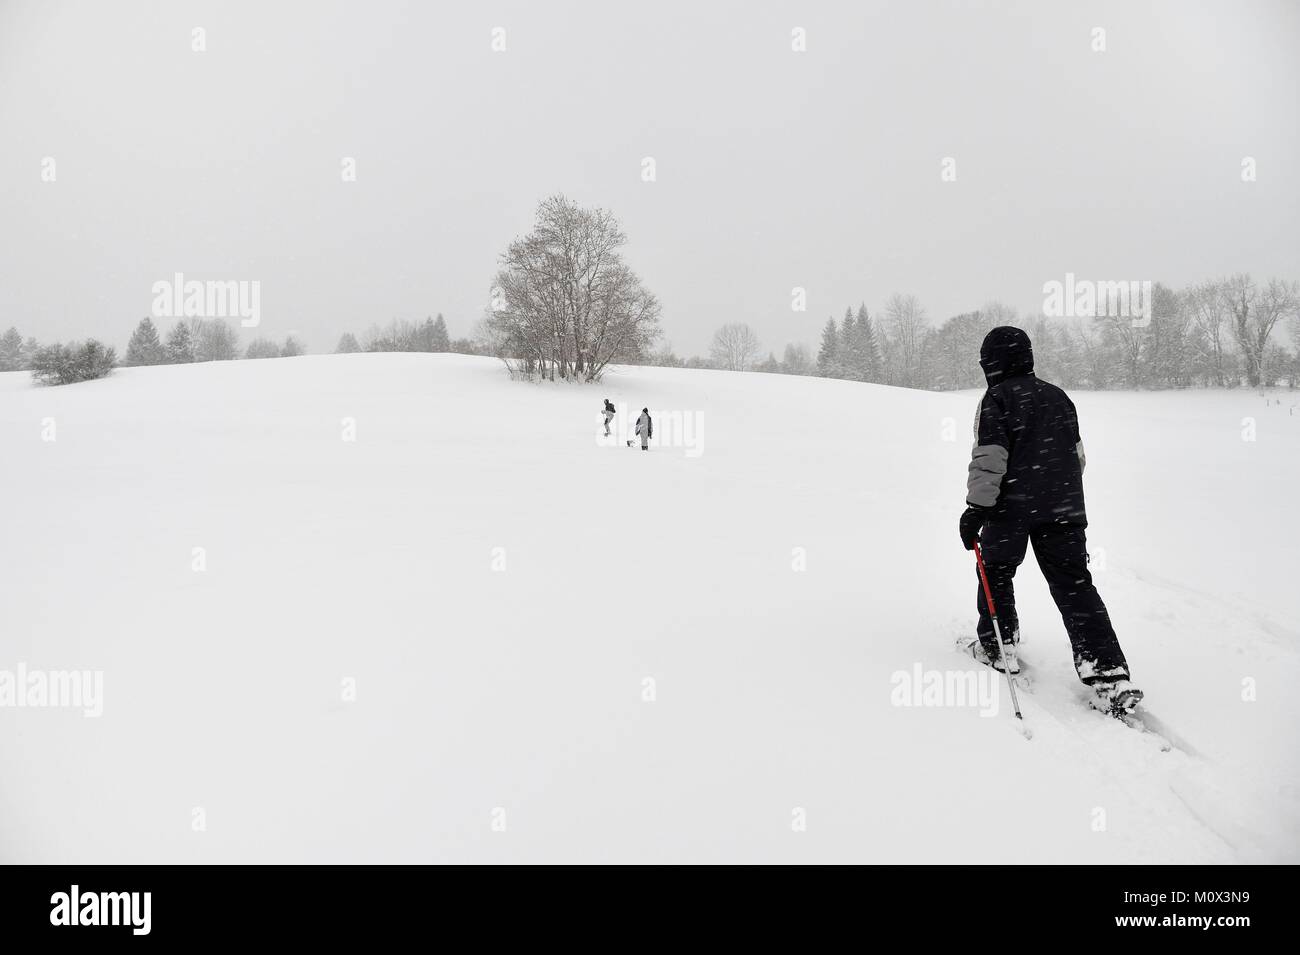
(266, 348)
(202, 340)
(190, 340)
(1221, 333)
(403, 336)
(566, 305)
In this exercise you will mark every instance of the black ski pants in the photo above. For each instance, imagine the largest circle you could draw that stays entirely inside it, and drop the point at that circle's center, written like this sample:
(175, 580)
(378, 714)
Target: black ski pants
(1061, 550)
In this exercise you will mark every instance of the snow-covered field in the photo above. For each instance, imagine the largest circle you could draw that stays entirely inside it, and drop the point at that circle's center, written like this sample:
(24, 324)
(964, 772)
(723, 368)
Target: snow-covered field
(499, 587)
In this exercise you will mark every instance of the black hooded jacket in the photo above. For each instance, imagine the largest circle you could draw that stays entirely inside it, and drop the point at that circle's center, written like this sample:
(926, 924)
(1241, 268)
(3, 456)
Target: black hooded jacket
(1028, 460)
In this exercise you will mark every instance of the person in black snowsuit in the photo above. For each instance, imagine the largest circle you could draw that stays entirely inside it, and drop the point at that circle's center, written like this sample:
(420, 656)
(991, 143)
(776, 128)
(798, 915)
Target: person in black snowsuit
(608, 411)
(1025, 488)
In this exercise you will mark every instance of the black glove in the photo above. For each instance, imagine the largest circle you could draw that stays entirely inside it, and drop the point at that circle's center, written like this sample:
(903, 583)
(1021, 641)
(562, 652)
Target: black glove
(972, 519)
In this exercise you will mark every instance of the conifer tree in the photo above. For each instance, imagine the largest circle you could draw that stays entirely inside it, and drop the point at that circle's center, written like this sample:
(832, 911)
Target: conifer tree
(180, 344)
(145, 348)
(828, 353)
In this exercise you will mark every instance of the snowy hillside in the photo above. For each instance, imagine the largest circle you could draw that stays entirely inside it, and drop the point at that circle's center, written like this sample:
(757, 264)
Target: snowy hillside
(501, 586)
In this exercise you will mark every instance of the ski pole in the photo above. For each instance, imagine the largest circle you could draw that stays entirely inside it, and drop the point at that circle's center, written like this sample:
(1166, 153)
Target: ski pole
(997, 631)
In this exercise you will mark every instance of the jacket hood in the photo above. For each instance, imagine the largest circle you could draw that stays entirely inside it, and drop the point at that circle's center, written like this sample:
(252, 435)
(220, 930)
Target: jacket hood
(1006, 353)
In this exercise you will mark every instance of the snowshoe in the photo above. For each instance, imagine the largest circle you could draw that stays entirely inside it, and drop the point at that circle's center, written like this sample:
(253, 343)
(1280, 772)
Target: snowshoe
(978, 651)
(1115, 697)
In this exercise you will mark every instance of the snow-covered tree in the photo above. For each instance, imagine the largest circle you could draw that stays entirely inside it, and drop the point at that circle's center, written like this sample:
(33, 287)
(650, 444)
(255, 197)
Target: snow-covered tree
(262, 348)
(431, 336)
(348, 345)
(11, 351)
(60, 364)
(215, 340)
(829, 353)
(866, 347)
(795, 360)
(441, 340)
(858, 357)
(180, 344)
(847, 336)
(293, 347)
(145, 347)
(422, 340)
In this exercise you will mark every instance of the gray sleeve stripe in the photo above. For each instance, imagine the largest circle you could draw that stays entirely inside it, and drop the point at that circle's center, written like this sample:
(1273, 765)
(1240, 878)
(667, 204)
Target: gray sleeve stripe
(988, 463)
(1083, 458)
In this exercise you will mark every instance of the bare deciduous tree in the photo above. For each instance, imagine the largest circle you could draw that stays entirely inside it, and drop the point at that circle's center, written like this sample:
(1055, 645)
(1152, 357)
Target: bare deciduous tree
(1127, 344)
(1254, 313)
(564, 302)
(735, 347)
(795, 360)
(905, 326)
(1208, 306)
(214, 340)
(1095, 359)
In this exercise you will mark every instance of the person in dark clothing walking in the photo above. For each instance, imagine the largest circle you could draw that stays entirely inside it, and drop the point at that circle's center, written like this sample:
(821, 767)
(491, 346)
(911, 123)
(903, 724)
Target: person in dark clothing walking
(1025, 488)
(608, 411)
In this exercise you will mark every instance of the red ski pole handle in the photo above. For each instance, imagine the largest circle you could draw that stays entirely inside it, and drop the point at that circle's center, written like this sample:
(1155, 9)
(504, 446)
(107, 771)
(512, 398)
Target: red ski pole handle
(984, 579)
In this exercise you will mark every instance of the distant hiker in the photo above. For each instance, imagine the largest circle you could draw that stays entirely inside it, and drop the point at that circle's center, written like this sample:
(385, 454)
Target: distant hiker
(645, 428)
(1025, 486)
(609, 416)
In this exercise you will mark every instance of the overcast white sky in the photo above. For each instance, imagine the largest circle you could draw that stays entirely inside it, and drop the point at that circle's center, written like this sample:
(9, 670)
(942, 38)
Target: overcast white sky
(775, 169)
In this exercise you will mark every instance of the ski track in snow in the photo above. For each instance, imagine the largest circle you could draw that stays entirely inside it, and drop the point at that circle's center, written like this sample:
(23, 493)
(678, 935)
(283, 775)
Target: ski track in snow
(522, 690)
